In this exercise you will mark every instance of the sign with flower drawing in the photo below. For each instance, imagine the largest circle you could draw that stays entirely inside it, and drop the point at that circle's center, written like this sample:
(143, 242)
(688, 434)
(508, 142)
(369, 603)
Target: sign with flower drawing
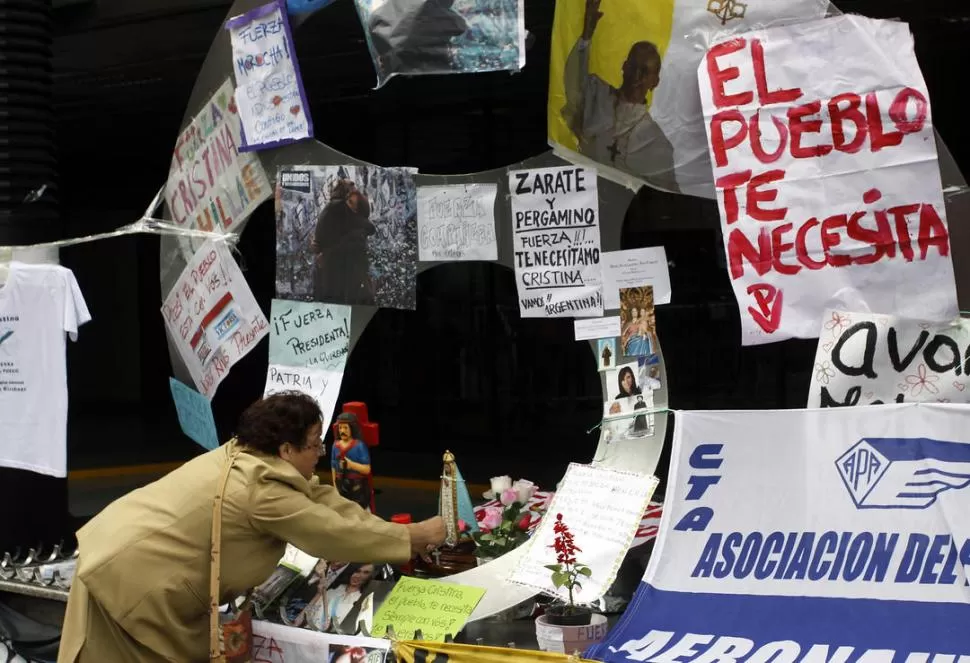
(866, 359)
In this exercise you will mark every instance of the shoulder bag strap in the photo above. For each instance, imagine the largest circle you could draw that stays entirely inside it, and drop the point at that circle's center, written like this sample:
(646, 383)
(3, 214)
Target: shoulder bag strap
(215, 628)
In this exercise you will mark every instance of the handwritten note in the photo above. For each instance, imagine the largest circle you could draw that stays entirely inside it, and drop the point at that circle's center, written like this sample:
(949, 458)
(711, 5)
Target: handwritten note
(457, 222)
(212, 316)
(556, 239)
(632, 269)
(309, 334)
(594, 328)
(603, 509)
(269, 90)
(435, 608)
(321, 385)
(211, 186)
(195, 415)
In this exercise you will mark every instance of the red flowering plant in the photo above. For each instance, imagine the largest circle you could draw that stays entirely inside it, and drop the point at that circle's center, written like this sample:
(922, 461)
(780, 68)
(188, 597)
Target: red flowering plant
(567, 573)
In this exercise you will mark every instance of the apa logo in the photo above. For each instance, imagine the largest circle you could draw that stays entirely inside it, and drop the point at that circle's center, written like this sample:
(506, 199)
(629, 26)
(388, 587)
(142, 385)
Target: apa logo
(903, 473)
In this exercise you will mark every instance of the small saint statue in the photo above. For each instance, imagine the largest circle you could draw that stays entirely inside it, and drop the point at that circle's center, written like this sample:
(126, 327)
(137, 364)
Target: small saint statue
(350, 462)
(606, 355)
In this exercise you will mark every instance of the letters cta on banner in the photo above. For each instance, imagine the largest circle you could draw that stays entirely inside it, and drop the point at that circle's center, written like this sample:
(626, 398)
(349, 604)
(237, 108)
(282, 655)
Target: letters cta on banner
(212, 316)
(826, 173)
(556, 239)
(211, 186)
(809, 535)
(865, 359)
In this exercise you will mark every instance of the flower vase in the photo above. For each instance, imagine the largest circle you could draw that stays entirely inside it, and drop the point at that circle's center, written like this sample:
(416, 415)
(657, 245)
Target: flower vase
(569, 639)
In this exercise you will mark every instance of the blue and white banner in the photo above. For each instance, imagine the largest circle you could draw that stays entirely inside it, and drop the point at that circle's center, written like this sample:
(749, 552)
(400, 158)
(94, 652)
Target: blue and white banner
(825, 536)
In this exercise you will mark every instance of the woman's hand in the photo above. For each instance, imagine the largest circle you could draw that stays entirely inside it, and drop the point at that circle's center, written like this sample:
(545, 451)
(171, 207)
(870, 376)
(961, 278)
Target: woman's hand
(426, 535)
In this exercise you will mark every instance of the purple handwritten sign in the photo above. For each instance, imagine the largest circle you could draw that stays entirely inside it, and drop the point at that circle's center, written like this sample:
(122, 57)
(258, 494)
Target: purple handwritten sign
(269, 89)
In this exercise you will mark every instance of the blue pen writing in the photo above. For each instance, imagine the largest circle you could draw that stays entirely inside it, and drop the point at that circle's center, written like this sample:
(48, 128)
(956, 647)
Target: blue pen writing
(6, 336)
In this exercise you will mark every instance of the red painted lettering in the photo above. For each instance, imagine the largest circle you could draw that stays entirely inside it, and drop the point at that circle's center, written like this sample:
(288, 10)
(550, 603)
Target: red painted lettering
(754, 130)
(831, 239)
(739, 247)
(878, 138)
(902, 229)
(801, 249)
(898, 110)
(799, 125)
(932, 232)
(719, 77)
(765, 97)
(728, 184)
(756, 196)
(850, 113)
(719, 143)
(779, 247)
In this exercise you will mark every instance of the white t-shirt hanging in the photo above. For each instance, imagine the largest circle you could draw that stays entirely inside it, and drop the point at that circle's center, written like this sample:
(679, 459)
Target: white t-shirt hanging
(38, 304)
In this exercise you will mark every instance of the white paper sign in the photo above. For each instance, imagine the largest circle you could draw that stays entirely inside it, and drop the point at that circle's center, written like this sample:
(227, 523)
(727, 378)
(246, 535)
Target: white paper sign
(211, 186)
(865, 359)
(269, 90)
(212, 316)
(826, 173)
(275, 643)
(556, 239)
(320, 384)
(633, 269)
(457, 222)
(309, 334)
(602, 509)
(595, 328)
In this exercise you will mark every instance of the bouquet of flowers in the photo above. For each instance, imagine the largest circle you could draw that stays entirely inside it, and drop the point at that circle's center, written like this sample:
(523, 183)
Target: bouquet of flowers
(504, 528)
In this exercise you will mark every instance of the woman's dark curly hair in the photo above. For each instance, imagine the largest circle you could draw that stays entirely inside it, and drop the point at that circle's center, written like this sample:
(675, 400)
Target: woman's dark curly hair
(284, 417)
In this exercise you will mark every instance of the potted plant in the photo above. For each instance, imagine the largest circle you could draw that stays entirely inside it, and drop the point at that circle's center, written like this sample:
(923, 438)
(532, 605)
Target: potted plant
(567, 627)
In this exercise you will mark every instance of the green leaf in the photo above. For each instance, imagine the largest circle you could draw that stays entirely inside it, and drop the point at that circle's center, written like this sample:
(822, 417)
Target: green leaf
(553, 567)
(585, 570)
(559, 579)
(487, 537)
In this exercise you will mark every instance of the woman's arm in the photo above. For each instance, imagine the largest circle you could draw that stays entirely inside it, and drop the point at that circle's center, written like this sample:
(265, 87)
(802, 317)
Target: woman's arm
(326, 528)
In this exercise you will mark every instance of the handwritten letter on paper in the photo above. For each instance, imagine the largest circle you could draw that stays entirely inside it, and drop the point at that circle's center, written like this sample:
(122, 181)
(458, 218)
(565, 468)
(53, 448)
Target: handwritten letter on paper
(309, 334)
(212, 316)
(826, 175)
(603, 509)
(308, 347)
(457, 222)
(865, 359)
(269, 90)
(211, 186)
(556, 239)
(195, 415)
(436, 608)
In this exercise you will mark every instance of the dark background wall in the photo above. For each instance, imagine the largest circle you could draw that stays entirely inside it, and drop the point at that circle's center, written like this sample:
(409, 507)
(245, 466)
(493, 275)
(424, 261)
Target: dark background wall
(463, 371)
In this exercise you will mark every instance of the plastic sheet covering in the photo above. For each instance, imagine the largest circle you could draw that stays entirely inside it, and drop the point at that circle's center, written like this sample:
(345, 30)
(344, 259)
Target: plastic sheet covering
(414, 37)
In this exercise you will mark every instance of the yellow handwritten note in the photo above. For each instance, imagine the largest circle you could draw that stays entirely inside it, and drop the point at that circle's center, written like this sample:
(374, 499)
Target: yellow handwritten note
(435, 608)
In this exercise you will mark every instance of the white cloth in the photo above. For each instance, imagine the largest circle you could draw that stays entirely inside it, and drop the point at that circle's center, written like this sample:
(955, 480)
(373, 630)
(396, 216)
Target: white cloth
(38, 304)
(611, 131)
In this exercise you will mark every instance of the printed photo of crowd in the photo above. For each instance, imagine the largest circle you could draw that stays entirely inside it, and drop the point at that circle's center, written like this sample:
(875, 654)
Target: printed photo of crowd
(346, 235)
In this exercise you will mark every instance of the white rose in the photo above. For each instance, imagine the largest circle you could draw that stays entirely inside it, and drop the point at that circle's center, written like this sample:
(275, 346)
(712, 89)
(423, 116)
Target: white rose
(499, 484)
(524, 489)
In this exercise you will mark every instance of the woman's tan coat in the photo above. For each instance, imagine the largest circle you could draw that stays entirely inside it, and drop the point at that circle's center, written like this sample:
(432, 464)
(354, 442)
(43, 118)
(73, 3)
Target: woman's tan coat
(142, 584)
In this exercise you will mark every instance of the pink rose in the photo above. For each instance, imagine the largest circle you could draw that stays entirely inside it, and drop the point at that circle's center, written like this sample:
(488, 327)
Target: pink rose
(508, 496)
(493, 517)
(462, 525)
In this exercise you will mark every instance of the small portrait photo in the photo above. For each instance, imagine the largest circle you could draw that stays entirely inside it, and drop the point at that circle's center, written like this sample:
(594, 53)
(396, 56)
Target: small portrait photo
(621, 381)
(606, 353)
(649, 373)
(623, 420)
(638, 322)
(357, 653)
